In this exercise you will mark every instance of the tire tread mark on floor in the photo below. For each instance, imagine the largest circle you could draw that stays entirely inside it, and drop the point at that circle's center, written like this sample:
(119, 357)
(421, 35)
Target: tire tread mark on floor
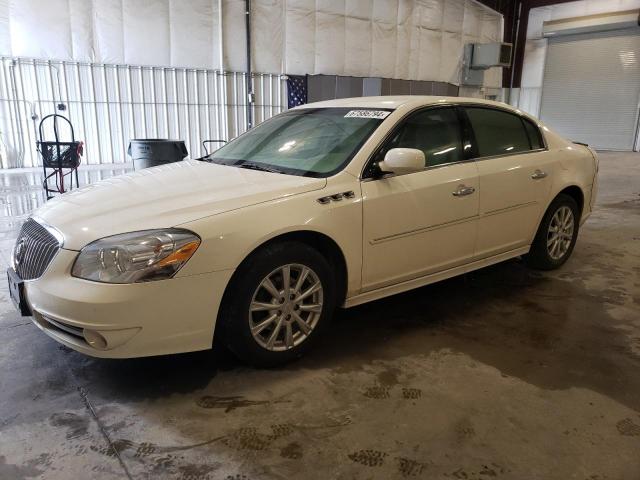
(87, 402)
(15, 325)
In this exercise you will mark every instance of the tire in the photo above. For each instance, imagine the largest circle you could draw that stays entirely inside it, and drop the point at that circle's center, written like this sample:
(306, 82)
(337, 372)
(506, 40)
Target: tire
(247, 303)
(545, 254)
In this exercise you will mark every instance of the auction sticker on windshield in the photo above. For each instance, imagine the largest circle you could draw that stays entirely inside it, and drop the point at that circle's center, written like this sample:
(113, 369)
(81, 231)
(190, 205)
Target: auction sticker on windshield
(378, 114)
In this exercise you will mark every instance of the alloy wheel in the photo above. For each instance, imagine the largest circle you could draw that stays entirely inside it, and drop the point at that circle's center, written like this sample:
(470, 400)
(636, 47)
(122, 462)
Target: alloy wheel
(560, 233)
(286, 307)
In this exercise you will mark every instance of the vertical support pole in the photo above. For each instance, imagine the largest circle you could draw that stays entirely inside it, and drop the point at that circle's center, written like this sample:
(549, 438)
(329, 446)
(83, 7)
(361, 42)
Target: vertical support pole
(67, 99)
(280, 97)
(220, 119)
(176, 103)
(235, 105)
(165, 104)
(198, 118)
(244, 94)
(22, 104)
(12, 107)
(513, 53)
(207, 129)
(41, 113)
(264, 107)
(187, 109)
(132, 110)
(19, 146)
(271, 94)
(30, 153)
(144, 101)
(221, 89)
(154, 111)
(121, 136)
(81, 100)
(55, 99)
(250, 98)
(107, 106)
(95, 111)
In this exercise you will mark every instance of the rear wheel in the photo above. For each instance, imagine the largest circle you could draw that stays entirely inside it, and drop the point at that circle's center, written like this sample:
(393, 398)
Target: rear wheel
(279, 302)
(556, 234)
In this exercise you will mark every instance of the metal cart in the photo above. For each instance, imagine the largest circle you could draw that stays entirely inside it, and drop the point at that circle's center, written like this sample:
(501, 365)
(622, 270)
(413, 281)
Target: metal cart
(59, 159)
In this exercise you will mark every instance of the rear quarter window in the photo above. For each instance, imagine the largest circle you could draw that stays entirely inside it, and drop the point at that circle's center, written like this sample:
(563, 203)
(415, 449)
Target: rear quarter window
(535, 137)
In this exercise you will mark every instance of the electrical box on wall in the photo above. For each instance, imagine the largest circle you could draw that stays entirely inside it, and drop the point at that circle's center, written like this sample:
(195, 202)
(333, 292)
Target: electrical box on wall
(478, 57)
(471, 77)
(487, 55)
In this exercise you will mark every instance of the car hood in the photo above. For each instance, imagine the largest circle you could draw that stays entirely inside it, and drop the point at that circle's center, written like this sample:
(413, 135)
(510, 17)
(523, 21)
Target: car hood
(164, 196)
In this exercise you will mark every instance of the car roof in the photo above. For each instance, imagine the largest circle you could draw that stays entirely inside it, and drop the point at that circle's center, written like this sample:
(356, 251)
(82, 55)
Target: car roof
(395, 101)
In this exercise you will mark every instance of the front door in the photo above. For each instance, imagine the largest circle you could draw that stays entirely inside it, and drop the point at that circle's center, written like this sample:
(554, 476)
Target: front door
(423, 222)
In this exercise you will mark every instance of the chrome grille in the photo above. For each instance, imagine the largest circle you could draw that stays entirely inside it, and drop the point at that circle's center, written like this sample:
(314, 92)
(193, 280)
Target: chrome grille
(35, 248)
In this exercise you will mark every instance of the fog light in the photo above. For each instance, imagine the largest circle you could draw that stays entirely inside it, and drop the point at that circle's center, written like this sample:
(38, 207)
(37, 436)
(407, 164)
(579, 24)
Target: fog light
(95, 339)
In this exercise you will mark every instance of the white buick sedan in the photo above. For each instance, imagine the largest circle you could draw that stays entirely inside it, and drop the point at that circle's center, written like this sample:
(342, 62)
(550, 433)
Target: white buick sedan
(330, 204)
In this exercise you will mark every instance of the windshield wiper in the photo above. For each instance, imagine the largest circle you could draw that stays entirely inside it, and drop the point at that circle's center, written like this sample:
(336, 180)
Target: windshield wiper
(255, 166)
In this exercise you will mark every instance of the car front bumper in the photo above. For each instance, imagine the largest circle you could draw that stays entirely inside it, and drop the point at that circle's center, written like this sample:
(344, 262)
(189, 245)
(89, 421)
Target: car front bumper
(125, 321)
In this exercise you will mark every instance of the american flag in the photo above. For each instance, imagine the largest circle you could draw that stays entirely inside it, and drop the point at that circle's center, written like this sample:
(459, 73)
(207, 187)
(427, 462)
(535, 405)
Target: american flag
(296, 90)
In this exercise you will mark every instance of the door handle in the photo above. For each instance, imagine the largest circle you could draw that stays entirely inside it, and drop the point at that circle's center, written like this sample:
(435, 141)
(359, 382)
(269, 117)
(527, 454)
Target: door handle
(538, 174)
(463, 190)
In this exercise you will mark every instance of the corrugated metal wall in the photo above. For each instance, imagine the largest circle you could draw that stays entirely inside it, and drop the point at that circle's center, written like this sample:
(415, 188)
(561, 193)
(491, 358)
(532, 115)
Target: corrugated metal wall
(111, 104)
(591, 88)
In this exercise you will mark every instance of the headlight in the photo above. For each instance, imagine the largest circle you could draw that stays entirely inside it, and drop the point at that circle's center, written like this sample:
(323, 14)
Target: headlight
(136, 256)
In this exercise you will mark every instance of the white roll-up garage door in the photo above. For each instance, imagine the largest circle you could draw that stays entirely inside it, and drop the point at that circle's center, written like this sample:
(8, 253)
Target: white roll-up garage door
(591, 88)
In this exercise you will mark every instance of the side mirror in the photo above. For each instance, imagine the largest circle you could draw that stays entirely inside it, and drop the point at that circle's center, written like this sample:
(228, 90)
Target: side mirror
(403, 160)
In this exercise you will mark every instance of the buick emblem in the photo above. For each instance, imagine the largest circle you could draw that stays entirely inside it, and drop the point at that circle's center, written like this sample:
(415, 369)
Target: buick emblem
(18, 252)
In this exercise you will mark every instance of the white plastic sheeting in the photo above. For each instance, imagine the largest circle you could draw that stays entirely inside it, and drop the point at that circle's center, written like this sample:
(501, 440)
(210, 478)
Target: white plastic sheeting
(406, 39)
(139, 32)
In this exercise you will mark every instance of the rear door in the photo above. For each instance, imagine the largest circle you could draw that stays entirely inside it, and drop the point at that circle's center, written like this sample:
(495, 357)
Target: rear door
(515, 171)
(422, 222)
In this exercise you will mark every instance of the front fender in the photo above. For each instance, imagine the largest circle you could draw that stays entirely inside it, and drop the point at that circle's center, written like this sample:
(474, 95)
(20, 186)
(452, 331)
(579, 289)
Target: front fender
(228, 238)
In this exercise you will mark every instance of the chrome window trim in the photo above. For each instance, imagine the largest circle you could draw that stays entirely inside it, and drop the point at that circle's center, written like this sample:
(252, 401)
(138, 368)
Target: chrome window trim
(521, 115)
(490, 157)
(448, 164)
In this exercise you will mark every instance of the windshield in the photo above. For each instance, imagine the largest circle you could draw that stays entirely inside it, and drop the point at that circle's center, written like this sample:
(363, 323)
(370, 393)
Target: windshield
(315, 142)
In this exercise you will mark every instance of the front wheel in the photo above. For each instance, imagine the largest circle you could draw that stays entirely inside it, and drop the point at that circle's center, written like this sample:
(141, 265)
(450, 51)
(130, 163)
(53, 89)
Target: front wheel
(556, 234)
(278, 303)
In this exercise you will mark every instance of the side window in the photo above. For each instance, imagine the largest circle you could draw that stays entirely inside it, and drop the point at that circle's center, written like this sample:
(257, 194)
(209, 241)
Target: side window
(497, 132)
(534, 135)
(435, 131)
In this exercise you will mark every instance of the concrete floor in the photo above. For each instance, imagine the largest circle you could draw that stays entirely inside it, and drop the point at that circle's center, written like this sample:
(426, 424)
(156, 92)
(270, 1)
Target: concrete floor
(505, 373)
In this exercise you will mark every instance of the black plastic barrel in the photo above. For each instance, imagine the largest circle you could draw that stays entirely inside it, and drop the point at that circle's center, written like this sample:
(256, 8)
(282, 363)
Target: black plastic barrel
(149, 152)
